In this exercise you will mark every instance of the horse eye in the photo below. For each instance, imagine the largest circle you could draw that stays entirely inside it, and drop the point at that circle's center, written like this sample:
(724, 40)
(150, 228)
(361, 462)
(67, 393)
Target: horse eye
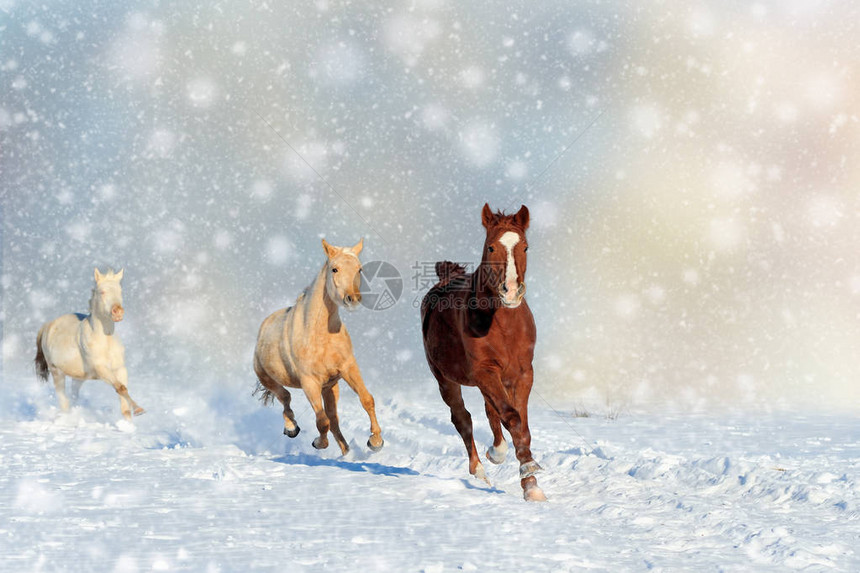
(334, 270)
(491, 249)
(526, 249)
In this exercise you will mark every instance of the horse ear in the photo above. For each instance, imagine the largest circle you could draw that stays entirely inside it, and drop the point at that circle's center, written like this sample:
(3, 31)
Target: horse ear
(358, 246)
(119, 274)
(521, 219)
(487, 216)
(330, 250)
(97, 275)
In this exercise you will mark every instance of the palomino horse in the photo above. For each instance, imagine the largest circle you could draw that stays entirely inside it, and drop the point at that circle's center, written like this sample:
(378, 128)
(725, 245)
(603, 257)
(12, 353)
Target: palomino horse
(307, 346)
(85, 347)
(479, 331)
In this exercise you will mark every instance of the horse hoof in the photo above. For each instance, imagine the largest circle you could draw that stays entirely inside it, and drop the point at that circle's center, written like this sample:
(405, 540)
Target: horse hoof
(534, 493)
(482, 475)
(292, 433)
(529, 469)
(139, 411)
(376, 448)
(497, 455)
(319, 444)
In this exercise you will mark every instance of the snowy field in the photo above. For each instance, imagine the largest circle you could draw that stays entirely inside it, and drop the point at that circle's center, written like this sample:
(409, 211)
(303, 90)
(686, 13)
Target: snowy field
(694, 274)
(708, 491)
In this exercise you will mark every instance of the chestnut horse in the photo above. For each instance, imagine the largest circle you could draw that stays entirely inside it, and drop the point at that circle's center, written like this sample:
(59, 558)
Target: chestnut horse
(478, 331)
(307, 346)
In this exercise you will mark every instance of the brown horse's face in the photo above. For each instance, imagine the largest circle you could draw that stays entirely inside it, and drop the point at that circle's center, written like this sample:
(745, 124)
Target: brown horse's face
(504, 256)
(343, 274)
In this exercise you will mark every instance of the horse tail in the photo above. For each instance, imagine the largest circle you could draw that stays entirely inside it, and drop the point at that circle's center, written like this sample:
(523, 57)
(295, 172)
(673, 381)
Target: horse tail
(446, 270)
(40, 362)
(267, 397)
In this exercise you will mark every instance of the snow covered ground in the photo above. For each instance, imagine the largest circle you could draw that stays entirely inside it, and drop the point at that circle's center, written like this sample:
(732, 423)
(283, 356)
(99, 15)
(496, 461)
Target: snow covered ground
(717, 491)
(693, 246)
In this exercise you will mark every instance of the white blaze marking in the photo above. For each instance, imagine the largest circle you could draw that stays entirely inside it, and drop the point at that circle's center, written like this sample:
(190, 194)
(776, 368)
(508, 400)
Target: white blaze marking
(510, 239)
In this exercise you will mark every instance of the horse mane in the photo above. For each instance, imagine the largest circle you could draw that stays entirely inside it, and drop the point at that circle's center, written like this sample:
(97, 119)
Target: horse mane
(306, 292)
(92, 300)
(448, 270)
(502, 219)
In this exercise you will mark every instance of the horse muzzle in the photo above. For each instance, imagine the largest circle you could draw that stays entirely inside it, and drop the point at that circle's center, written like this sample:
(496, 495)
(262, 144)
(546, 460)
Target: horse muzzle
(117, 313)
(351, 301)
(512, 298)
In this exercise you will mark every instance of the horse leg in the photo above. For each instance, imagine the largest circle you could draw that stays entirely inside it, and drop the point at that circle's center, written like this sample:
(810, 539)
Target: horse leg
(452, 394)
(118, 380)
(528, 467)
(76, 390)
(60, 388)
(330, 396)
(515, 419)
(499, 450)
(313, 391)
(122, 378)
(291, 428)
(352, 375)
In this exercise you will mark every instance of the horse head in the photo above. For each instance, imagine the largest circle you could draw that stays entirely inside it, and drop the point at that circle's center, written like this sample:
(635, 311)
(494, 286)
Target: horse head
(343, 278)
(504, 258)
(107, 295)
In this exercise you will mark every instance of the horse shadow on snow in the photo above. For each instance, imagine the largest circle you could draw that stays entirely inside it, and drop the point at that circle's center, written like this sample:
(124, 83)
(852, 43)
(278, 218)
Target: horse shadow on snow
(358, 466)
(373, 468)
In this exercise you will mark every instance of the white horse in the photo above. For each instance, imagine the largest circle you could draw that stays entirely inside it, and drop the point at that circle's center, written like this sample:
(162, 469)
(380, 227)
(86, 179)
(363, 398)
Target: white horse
(85, 347)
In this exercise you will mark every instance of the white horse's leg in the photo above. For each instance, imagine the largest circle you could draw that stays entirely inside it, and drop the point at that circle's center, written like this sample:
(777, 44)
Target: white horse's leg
(75, 390)
(60, 388)
(352, 375)
(122, 377)
(313, 390)
(330, 396)
(118, 380)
